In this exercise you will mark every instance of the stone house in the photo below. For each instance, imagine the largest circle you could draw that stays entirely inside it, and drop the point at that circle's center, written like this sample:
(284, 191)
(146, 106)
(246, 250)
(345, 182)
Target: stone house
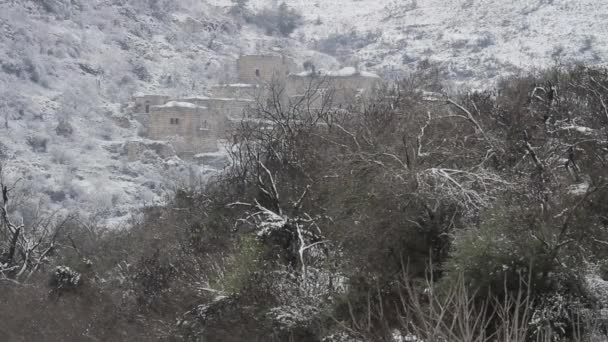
(141, 105)
(143, 102)
(341, 88)
(190, 128)
(222, 107)
(260, 69)
(194, 125)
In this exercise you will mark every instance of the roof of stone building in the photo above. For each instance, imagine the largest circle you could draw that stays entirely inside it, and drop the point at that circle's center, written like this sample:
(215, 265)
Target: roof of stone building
(206, 98)
(178, 104)
(344, 72)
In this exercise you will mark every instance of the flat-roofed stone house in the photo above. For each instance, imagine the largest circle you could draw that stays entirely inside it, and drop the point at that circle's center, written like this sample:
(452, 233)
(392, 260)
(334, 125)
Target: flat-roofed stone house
(222, 107)
(261, 69)
(340, 88)
(190, 128)
(143, 102)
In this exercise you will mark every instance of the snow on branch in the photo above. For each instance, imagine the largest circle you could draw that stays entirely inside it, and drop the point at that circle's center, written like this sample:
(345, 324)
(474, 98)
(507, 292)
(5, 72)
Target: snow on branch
(466, 188)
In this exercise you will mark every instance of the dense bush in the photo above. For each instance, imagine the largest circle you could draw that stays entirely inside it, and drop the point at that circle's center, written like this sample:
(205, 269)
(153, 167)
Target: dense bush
(283, 20)
(38, 143)
(349, 41)
(64, 128)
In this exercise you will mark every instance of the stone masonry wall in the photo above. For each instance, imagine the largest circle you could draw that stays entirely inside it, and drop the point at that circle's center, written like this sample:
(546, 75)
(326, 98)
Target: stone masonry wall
(189, 128)
(262, 69)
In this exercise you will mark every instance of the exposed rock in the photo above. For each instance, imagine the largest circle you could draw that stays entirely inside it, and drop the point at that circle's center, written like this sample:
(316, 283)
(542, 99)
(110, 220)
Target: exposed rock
(122, 121)
(114, 148)
(89, 69)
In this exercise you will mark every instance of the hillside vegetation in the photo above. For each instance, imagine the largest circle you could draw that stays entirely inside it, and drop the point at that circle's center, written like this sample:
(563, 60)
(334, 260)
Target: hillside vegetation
(463, 217)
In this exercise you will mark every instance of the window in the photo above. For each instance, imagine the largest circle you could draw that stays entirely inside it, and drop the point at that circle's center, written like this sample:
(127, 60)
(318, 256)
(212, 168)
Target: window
(174, 121)
(147, 107)
(257, 72)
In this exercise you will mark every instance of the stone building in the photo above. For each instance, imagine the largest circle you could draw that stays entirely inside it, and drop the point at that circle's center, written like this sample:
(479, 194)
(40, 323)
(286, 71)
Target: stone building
(237, 91)
(256, 69)
(190, 128)
(143, 102)
(341, 88)
(222, 108)
(141, 105)
(194, 125)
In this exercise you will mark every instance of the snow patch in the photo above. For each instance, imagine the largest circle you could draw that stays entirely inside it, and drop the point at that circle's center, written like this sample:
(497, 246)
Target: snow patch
(578, 189)
(239, 85)
(344, 72)
(177, 104)
(205, 98)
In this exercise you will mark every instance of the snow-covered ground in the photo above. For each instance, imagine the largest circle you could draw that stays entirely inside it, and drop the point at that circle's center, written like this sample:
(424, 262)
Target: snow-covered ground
(81, 66)
(476, 40)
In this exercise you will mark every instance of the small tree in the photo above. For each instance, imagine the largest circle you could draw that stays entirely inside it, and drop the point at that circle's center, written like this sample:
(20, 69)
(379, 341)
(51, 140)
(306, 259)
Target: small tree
(288, 19)
(283, 20)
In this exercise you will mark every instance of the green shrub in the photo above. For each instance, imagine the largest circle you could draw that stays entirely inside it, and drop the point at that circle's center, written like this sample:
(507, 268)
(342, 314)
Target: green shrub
(246, 260)
(503, 258)
(499, 254)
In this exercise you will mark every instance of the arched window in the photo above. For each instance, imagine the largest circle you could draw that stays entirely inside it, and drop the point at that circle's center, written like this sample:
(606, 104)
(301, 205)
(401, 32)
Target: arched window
(257, 72)
(147, 107)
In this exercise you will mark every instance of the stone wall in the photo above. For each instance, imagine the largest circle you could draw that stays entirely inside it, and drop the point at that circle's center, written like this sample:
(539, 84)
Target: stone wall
(222, 109)
(142, 103)
(238, 91)
(343, 88)
(189, 127)
(256, 69)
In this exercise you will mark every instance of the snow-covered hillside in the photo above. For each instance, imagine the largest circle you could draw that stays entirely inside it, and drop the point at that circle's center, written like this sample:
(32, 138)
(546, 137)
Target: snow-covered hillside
(67, 69)
(473, 39)
(78, 65)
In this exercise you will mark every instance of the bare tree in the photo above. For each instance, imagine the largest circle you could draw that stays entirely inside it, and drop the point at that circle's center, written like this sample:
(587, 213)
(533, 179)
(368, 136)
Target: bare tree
(25, 249)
